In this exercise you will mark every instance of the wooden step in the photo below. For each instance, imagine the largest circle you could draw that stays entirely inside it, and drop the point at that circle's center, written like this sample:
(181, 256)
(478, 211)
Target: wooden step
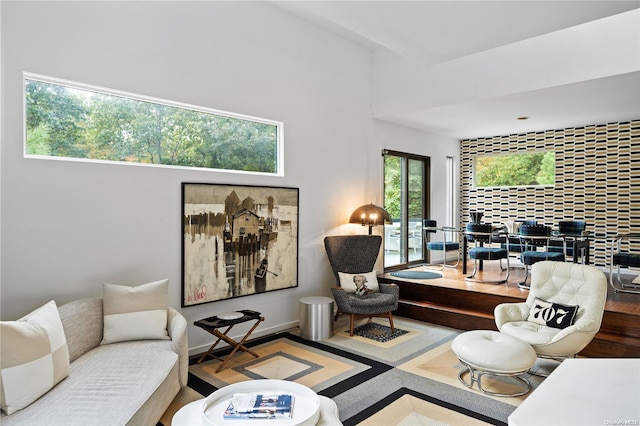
(448, 316)
(604, 345)
(608, 345)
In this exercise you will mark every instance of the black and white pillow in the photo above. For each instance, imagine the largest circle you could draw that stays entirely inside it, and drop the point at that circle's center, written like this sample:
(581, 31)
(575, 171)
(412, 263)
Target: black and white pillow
(551, 314)
(348, 282)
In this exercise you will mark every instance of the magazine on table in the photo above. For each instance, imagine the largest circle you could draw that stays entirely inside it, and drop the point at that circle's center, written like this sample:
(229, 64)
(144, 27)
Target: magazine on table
(260, 405)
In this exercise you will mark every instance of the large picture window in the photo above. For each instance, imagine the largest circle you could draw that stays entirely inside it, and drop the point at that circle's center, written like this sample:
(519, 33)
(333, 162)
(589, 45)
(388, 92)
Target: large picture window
(74, 121)
(522, 169)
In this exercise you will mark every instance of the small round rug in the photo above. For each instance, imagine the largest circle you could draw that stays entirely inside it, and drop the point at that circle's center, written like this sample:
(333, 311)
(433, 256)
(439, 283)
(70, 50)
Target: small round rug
(416, 275)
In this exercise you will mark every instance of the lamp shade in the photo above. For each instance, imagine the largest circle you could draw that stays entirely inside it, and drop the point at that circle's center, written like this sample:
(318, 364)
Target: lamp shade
(370, 215)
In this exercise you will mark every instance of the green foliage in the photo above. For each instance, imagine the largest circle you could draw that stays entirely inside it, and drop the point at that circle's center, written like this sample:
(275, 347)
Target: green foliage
(515, 169)
(62, 113)
(416, 189)
(392, 186)
(547, 173)
(393, 175)
(105, 127)
(37, 141)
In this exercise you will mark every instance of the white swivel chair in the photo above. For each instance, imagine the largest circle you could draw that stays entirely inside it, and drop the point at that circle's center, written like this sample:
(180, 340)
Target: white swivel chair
(544, 319)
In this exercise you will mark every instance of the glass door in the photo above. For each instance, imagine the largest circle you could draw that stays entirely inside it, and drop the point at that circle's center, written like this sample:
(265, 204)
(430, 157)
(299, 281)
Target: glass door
(405, 198)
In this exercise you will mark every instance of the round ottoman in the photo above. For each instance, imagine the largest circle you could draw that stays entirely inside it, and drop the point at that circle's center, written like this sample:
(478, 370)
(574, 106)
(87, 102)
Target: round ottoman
(487, 352)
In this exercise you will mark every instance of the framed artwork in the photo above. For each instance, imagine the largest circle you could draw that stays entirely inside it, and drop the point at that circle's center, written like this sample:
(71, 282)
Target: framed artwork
(237, 241)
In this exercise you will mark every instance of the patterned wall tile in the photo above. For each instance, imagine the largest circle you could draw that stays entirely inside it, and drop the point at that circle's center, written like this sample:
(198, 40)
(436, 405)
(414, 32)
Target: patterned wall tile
(597, 179)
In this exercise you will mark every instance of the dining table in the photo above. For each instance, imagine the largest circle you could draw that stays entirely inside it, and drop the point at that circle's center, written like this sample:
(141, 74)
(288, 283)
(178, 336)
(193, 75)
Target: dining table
(580, 244)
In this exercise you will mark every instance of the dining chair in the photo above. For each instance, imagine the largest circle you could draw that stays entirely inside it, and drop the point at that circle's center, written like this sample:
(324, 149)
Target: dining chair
(512, 228)
(625, 252)
(480, 234)
(431, 227)
(535, 240)
(571, 232)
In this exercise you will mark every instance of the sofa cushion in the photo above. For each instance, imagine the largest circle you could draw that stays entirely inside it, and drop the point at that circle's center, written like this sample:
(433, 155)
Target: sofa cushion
(107, 386)
(82, 321)
(135, 313)
(34, 359)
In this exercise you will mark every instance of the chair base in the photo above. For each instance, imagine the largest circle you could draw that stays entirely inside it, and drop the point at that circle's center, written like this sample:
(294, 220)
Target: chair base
(444, 264)
(441, 266)
(472, 278)
(354, 317)
(475, 376)
(558, 359)
(619, 286)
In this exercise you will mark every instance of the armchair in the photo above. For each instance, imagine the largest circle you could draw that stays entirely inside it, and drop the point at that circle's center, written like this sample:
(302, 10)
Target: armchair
(563, 286)
(357, 254)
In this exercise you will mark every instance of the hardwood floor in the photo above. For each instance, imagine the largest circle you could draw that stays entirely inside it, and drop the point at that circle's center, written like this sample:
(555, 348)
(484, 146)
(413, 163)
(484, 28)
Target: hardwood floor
(454, 302)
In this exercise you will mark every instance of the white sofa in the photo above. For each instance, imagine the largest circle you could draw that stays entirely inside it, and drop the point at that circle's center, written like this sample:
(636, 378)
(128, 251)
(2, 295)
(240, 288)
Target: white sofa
(126, 383)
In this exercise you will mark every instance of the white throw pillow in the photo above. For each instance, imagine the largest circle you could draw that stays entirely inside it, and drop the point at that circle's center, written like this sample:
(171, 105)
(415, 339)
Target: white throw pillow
(35, 357)
(348, 284)
(135, 313)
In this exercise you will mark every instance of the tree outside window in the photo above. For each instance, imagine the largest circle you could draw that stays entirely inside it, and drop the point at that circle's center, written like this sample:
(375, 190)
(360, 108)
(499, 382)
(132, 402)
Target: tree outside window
(527, 169)
(66, 121)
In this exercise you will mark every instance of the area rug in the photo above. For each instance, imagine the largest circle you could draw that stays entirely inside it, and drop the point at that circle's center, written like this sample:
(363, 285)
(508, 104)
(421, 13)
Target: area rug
(416, 275)
(410, 379)
(378, 332)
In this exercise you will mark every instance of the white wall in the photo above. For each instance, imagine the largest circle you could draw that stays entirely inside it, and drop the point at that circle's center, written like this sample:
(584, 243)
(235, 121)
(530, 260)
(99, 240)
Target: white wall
(68, 227)
(438, 148)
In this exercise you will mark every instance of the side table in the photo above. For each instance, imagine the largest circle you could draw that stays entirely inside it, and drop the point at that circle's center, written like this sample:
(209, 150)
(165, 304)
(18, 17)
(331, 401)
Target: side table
(316, 318)
(214, 324)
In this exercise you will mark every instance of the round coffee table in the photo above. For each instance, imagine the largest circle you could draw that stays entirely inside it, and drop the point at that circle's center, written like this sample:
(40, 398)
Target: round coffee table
(488, 352)
(308, 408)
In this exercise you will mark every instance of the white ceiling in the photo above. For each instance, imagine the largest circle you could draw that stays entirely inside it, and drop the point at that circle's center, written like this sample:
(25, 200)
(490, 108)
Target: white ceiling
(432, 35)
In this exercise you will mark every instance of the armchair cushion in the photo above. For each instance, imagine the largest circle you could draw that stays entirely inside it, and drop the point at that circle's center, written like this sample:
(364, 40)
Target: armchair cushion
(554, 315)
(375, 303)
(372, 300)
(383, 301)
(510, 312)
(531, 332)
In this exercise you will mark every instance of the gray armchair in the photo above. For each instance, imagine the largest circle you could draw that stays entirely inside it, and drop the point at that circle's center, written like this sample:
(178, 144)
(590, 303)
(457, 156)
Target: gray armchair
(355, 254)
